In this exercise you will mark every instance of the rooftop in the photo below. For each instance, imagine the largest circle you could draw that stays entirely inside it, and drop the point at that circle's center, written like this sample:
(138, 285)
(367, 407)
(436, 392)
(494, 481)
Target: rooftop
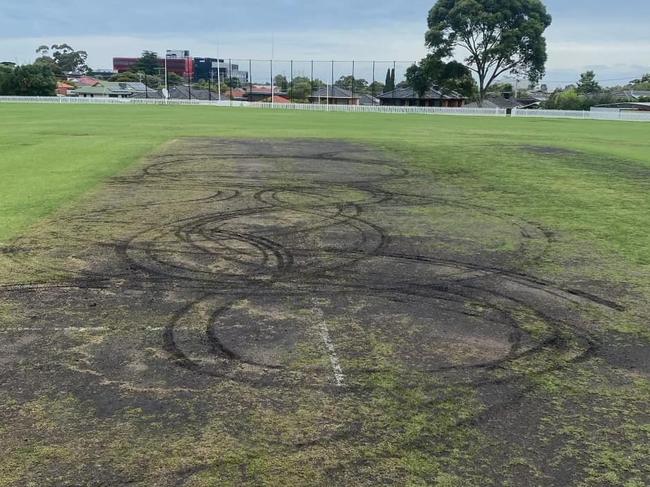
(333, 92)
(431, 94)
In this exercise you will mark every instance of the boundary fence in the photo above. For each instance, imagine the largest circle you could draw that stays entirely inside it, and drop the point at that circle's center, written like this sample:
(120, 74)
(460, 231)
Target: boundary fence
(596, 114)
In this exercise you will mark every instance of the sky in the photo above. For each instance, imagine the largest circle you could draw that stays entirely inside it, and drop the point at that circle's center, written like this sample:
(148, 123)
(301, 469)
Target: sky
(611, 38)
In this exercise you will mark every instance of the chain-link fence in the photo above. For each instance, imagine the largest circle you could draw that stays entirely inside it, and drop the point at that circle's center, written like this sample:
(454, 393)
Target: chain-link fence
(299, 81)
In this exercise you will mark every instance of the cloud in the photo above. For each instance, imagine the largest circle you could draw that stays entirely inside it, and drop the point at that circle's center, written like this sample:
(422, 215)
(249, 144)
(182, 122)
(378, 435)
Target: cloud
(584, 32)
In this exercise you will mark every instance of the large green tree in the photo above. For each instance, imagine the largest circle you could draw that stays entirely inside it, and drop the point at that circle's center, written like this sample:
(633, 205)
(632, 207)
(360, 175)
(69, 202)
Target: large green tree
(281, 82)
(6, 73)
(390, 80)
(499, 36)
(349, 82)
(148, 63)
(29, 80)
(301, 88)
(62, 59)
(447, 76)
(587, 85)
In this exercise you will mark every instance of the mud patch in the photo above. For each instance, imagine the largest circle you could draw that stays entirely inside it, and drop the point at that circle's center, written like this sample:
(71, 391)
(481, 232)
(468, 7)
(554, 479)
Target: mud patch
(279, 312)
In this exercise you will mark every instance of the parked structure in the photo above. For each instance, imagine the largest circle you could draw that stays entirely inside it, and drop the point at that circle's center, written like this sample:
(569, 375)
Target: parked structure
(432, 98)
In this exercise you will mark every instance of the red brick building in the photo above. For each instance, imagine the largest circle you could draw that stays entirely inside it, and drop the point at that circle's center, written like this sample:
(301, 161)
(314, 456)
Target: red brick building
(181, 66)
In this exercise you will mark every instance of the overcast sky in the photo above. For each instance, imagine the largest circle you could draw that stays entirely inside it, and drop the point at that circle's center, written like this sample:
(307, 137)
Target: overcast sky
(612, 38)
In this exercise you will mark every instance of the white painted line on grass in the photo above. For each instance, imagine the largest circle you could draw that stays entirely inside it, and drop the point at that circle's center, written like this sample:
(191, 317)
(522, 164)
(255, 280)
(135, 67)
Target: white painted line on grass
(79, 329)
(331, 351)
(73, 329)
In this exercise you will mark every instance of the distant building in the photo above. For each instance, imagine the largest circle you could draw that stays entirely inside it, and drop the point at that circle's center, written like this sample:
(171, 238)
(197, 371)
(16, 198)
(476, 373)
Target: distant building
(206, 68)
(279, 99)
(632, 95)
(181, 66)
(334, 95)
(261, 92)
(85, 81)
(369, 100)
(62, 88)
(626, 106)
(432, 98)
(114, 89)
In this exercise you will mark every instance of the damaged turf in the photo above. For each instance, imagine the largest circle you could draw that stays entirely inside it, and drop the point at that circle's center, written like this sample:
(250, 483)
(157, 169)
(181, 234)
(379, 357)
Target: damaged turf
(291, 313)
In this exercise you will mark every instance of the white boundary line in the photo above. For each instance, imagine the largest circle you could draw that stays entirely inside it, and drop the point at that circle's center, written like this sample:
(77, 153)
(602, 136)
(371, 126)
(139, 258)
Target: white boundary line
(331, 351)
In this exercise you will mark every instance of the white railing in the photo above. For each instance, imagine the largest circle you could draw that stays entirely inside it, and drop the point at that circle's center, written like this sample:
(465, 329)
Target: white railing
(276, 106)
(595, 114)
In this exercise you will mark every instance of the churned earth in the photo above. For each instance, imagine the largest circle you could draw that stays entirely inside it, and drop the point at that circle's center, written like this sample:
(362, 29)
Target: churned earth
(307, 312)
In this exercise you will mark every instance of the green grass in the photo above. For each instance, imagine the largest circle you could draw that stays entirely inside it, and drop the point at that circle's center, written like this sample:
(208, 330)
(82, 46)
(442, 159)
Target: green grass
(50, 155)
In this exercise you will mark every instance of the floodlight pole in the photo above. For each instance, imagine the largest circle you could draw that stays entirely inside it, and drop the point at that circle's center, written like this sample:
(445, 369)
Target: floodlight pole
(332, 91)
(218, 74)
(373, 82)
(272, 80)
(166, 78)
(230, 78)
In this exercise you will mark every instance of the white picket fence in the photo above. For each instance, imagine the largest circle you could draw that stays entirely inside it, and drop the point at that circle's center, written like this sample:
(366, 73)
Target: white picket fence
(595, 114)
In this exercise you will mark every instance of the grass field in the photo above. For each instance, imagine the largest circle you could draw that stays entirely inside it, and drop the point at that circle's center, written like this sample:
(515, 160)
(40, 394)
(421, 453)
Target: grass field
(330, 248)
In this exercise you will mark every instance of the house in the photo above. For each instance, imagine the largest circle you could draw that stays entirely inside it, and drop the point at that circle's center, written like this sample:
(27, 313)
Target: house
(495, 101)
(433, 97)
(627, 106)
(632, 95)
(113, 89)
(334, 95)
(85, 81)
(62, 88)
(182, 92)
(261, 92)
(279, 99)
(369, 100)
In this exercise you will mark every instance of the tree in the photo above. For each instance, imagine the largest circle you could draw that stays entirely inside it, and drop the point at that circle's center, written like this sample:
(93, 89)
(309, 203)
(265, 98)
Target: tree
(301, 88)
(29, 80)
(148, 63)
(62, 58)
(281, 82)
(173, 79)
(433, 71)
(6, 74)
(588, 84)
(152, 81)
(232, 82)
(571, 99)
(376, 88)
(359, 85)
(390, 80)
(500, 36)
(502, 89)
(642, 83)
